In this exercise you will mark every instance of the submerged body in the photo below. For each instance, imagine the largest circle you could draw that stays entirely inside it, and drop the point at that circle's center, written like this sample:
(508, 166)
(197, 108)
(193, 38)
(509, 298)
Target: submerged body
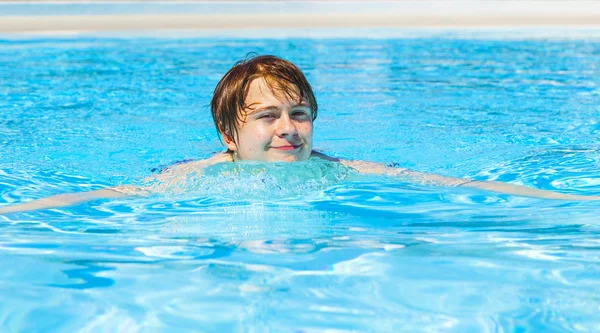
(264, 109)
(178, 176)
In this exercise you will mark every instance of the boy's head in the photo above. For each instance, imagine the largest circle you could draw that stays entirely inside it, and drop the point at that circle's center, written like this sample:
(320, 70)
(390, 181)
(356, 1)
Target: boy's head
(264, 108)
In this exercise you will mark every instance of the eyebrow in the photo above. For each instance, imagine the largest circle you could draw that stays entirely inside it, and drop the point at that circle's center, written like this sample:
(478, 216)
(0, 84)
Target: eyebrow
(273, 107)
(263, 108)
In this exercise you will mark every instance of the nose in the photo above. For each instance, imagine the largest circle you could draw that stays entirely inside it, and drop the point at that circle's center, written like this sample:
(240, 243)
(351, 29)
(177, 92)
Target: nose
(285, 126)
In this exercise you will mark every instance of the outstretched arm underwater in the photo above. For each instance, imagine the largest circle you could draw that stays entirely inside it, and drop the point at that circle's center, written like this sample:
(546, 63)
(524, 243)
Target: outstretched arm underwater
(67, 199)
(432, 179)
(178, 173)
(171, 175)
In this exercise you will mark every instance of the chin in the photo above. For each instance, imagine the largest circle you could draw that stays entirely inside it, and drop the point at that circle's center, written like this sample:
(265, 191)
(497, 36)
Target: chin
(289, 158)
(283, 157)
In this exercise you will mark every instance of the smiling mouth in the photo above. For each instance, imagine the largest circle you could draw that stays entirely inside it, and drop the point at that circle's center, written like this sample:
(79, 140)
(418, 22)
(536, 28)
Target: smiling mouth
(287, 147)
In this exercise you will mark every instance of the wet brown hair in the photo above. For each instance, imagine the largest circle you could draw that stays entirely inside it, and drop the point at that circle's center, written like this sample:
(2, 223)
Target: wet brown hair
(282, 77)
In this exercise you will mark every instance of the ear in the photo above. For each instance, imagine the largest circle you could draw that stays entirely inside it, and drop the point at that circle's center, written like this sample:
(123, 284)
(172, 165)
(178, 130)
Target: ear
(229, 142)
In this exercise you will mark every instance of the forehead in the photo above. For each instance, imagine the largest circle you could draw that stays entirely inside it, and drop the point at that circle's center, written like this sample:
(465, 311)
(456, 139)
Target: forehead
(269, 91)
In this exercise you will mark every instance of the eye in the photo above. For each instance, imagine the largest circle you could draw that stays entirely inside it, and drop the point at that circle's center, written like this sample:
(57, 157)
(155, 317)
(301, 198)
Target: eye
(267, 116)
(300, 113)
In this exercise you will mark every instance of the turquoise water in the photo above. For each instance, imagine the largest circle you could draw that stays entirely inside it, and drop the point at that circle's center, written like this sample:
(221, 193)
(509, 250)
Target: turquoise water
(313, 246)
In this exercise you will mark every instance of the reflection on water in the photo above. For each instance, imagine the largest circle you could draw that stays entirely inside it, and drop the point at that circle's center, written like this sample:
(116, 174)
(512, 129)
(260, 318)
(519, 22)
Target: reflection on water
(308, 246)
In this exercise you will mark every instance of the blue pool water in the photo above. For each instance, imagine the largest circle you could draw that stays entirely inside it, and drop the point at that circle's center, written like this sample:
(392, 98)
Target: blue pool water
(314, 246)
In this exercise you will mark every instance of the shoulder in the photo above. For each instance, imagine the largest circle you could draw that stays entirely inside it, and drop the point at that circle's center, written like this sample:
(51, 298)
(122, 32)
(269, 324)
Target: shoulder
(374, 168)
(196, 165)
(364, 166)
(320, 155)
(186, 167)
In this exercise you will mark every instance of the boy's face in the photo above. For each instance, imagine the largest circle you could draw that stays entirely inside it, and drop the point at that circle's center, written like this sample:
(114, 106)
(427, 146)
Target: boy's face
(274, 128)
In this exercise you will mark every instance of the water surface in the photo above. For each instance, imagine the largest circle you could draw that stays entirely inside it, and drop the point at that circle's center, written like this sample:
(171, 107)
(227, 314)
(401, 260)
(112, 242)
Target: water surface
(311, 247)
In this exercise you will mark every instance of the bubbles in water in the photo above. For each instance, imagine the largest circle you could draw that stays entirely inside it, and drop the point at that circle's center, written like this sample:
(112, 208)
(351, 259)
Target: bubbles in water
(255, 180)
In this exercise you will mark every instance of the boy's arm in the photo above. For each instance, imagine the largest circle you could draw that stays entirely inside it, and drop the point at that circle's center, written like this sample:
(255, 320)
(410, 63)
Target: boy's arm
(69, 199)
(527, 191)
(432, 179)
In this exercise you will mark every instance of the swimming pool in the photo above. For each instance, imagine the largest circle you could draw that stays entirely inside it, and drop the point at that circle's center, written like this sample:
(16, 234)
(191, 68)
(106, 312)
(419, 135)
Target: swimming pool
(328, 249)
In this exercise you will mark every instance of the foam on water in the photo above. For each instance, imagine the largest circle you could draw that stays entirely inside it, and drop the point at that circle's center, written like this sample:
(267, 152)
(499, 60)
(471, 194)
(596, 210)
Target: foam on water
(255, 181)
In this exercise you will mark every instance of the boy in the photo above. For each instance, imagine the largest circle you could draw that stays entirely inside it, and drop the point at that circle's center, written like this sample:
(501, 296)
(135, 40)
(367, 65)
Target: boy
(264, 110)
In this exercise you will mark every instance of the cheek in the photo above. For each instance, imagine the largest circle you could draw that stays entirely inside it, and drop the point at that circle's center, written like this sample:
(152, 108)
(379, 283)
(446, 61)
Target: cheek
(261, 133)
(306, 130)
(252, 135)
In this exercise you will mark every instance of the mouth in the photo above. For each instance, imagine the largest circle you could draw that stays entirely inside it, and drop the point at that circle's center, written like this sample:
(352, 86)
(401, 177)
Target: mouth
(287, 147)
